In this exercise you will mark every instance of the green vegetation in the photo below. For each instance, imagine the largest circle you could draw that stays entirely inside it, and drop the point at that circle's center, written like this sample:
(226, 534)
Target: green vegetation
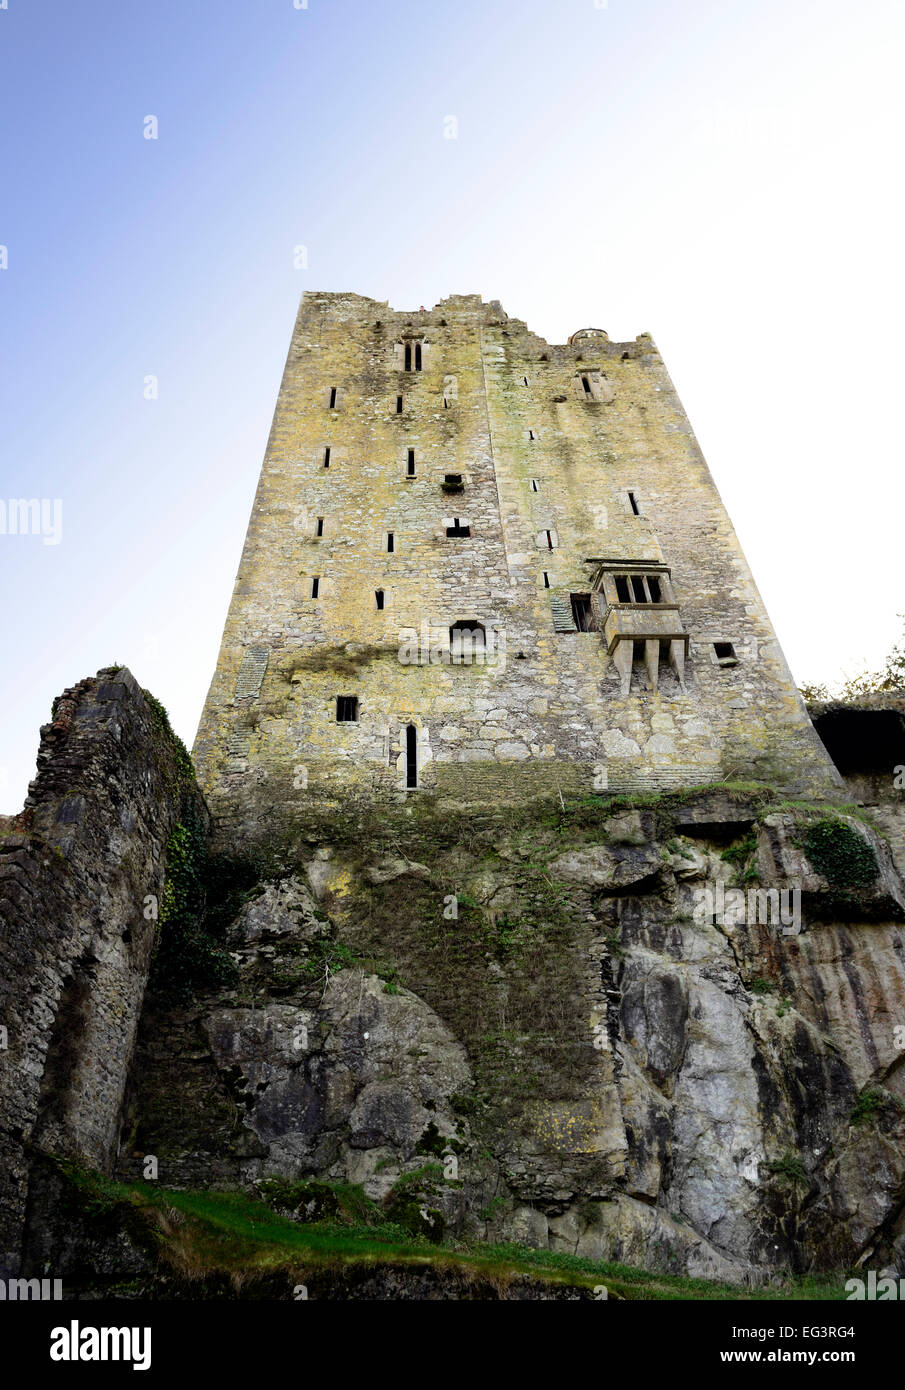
(871, 1103)
(327, 957)
(185, 770)
(187, 956)
(840, 855)
(321, 1201)
(789, 1167)
(197, 1236)
(865, 683)
(201, 895)
(741, 854)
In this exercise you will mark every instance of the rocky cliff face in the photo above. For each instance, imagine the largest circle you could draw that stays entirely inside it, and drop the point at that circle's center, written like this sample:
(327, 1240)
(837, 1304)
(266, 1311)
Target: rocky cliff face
(546, 1023)
(668, 1033)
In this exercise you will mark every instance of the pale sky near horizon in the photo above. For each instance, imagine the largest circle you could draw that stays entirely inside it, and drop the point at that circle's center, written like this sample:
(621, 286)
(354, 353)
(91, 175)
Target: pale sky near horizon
(723, 174)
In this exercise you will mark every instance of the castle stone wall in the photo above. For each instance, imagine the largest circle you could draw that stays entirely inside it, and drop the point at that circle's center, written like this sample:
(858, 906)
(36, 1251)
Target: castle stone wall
(79, 871)
(575, 461)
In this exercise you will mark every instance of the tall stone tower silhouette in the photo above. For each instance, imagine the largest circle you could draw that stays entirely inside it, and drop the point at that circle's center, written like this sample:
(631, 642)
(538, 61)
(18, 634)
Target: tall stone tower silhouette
(485, 567)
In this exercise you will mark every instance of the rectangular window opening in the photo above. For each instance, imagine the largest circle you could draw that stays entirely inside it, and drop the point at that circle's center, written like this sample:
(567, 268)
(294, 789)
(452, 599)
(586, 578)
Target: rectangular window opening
(546, 580)
(391, 542)
(534, 486)
(347, 709)
(653, 585)
(417, 357)
(633, 503)
(332, 397)
(622, 590)
(525, 380)
(587, 386)
(327, 457)
(583, 612)
(315, 586)
(319, 530)
(408, 357)
(378, 598)
(725, 653)
(531, 434)
(638, 588)
(410, 466)
(549, 535)
(411, 756)
(398, 405)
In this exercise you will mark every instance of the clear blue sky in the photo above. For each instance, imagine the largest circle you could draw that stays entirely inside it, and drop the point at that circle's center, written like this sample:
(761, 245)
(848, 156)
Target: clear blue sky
(722, 173)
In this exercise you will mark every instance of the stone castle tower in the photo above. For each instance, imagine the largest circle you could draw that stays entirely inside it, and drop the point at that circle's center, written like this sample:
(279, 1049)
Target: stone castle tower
(486, 566)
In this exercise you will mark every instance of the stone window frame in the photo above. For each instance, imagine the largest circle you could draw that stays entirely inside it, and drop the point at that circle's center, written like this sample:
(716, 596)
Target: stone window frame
(593, 605)
(627, 572)
(731, 659)
(594, 377)
(457, 654)
(411, 342)
(338, 706)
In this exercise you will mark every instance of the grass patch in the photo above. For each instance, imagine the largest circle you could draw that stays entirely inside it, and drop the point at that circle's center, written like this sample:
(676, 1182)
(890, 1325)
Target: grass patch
(197, 1234)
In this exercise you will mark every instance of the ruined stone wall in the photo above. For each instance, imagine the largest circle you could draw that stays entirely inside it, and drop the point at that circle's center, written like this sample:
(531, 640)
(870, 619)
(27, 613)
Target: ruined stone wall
(546, 440)
(79, 871)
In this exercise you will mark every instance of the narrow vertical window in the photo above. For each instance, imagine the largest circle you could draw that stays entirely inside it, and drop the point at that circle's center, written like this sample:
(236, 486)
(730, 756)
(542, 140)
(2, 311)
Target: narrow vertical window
(327, 457)
(633, 503)
(378, 596)
(546, 580)
(391, 542)
(411, 756)
(525, 380)
(417, 357)
(410, 466)
(534, 487)
(531, 434)
(582, 612)
(315, 587)
(587, 385)
(408, 357)
(332, 397)
(320, 526)
(549, 535)
(398, 405)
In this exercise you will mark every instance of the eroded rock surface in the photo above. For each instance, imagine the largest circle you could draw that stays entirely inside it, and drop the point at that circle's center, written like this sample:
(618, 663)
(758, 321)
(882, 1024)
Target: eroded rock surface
(615, 1070)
